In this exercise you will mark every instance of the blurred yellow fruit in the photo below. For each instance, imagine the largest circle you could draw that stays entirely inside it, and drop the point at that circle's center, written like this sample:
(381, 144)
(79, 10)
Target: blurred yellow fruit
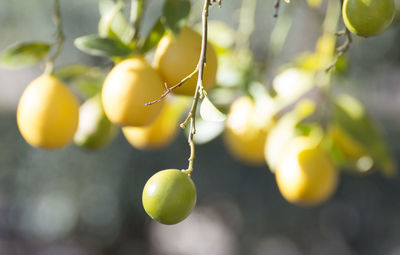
(246, 131)
(47, 113)
(292, 83)
(94, 130)
(368, 17)
(306, 176)
(175, 58)
(284, 131)
(162, 131)
(128, 86)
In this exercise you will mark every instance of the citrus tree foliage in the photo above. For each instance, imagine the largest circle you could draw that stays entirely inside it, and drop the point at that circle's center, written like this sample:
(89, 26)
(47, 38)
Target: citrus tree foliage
(293, 123)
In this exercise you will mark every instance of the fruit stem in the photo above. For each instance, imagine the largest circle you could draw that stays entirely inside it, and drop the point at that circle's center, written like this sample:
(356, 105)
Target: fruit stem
(60, 38)
(199, 93)
(342, 49)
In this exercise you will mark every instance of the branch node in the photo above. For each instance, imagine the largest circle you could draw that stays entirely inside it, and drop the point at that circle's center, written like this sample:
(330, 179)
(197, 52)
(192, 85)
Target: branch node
(276, 8)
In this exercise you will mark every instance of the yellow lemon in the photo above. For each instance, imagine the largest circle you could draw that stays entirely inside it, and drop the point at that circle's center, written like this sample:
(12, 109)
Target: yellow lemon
(162, 131)
(175, 58)
(47, 113)
(127, 88)
(246, 130)
(306, 175)
(368, 17)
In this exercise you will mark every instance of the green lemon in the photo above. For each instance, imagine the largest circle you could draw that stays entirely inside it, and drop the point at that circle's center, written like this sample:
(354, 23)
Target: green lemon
(368, 17)
(169, 196)
(94, 130)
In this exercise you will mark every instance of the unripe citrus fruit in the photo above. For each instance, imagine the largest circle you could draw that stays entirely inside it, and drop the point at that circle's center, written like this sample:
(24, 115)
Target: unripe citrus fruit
(47, 113)
(306, 175)
(94, 129)
(169, 196)
(246, 131)
(162, 131)
(176, 58)
(368, 17)
(350, 147)
(128, 86)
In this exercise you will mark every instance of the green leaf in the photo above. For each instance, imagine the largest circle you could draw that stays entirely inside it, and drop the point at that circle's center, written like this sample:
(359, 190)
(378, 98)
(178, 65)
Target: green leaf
(113, 23)
(209, 112)
(87, 88)
(351, 117)
(24, 54)
(98, 46)
(175, 13)
(206, 131)
(86, 80)
(154, 36)
(104, 27)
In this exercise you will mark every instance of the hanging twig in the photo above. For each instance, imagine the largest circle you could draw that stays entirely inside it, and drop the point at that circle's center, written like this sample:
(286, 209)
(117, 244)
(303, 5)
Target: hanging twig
(276, 8)
(199, 89)
(342, 49)
(60, 38)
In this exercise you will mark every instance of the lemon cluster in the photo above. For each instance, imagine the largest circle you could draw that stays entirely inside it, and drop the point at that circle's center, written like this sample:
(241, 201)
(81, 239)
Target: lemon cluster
(256, 135)
(48, 112)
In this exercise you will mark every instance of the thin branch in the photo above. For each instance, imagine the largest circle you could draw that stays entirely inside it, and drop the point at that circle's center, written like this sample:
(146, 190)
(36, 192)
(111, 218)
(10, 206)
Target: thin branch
(169, 90)
(60, 38)
(342, 49)
(276, 8)
(199, 89)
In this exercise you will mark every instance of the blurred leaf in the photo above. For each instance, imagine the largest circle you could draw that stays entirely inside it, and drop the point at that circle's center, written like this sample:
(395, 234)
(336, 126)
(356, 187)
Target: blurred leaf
(72, 72)
(206, 131)
(24, 54)
(98, 46)
(352, 119)
(87, 80)
(154, 36)
(175, 13)
(113, 23)
(107, 19)
(87, 88)
(209, 112)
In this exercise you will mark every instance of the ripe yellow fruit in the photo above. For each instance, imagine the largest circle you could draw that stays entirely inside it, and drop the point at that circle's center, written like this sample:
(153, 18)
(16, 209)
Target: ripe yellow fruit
(368, 17)
(246, 131)
(127, 88)
(169, 196)
(47, 113)
(306, 176)
(175, 58)
(162, 131)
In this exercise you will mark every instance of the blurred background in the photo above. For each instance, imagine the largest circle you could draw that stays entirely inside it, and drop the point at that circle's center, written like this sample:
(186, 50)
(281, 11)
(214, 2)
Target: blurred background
(78, 202)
